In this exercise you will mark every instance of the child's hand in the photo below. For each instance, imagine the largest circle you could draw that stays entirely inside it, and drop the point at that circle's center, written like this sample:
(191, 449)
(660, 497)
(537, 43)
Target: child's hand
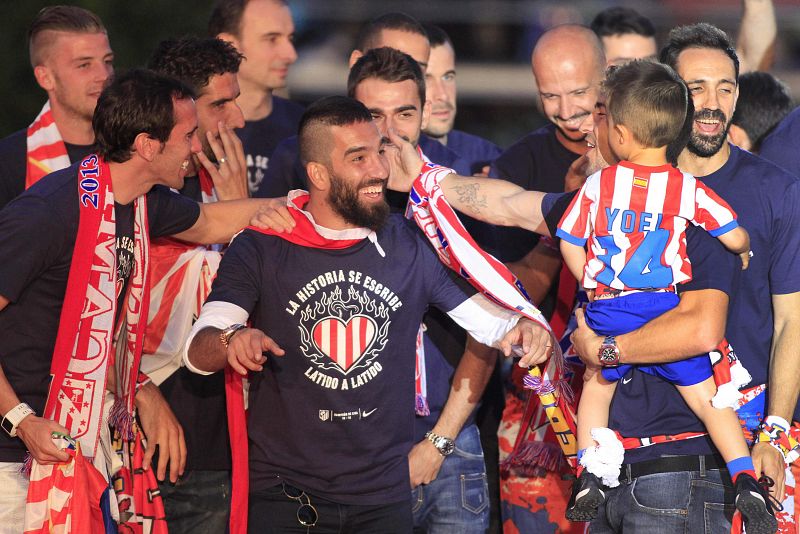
(745, 256)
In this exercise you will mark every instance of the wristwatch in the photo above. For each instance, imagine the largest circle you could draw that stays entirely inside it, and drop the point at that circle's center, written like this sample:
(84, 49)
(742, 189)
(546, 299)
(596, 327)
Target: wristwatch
(444, 445)
(226, 335)
(14, 417)
(609, 352)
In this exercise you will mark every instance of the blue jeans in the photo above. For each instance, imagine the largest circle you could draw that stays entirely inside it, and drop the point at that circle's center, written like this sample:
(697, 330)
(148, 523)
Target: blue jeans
(199, 502)
(670, 503)
(458, 500)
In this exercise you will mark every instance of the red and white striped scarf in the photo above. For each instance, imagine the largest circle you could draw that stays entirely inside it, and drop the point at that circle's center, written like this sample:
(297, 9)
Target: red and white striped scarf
(456, 249)
(84, 346)
(46, 150)
(181, 275)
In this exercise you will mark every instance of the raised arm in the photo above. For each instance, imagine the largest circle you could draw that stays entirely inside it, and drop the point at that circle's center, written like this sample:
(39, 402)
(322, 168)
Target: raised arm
(757, 34)
(486, 199)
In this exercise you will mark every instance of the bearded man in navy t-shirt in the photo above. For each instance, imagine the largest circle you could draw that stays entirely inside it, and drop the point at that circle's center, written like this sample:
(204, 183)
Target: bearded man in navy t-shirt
(342, 297)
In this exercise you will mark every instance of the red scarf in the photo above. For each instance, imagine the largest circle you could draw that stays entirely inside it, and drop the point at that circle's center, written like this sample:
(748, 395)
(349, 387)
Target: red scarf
(84, 346)
(75, 507)
(46, 151)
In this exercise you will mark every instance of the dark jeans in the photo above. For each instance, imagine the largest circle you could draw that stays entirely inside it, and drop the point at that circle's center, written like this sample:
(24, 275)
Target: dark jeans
(198, 503)
(686, 502)
(273, 512)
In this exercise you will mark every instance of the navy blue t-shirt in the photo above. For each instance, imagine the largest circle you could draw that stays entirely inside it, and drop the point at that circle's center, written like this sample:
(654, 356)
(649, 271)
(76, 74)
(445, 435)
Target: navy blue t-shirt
(445, 156)
(782, 147)
(259, 138)
(767, 202)
(37, 238)
(334, 416)
(478, 152)
(285, 171)
(537, 162)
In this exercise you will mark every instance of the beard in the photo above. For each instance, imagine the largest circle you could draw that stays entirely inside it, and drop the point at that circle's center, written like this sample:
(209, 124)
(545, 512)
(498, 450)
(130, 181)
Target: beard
(703, 145)
(344, 201)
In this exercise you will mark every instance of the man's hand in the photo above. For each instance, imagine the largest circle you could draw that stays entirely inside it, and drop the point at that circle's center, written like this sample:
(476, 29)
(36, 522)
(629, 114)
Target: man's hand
(535, 342)
(37, 434)
(246, 350)
(404, 163)
(162, 430)
(586, 342)
(275, 216)
(576, 174)
(768, 461)
(230, 178)
(424, 462)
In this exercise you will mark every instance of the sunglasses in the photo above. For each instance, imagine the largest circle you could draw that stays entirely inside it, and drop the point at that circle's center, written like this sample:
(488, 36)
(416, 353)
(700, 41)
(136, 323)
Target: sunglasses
(306, 513)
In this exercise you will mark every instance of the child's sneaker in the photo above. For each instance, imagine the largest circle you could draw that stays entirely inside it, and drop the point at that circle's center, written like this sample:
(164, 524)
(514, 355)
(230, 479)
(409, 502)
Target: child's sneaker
(753, 501)
(586, 498)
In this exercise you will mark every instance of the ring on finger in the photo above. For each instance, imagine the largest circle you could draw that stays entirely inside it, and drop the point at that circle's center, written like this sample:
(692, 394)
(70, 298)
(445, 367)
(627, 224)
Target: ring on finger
(222, 160)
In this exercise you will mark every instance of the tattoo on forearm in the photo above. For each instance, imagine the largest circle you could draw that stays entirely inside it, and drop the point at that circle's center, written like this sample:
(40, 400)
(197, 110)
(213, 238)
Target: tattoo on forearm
(468, 194)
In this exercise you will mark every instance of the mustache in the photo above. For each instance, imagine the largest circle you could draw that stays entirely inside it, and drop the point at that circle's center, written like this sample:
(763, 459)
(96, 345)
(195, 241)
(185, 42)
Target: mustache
(576, 116)
(443, 106)
(711, 114)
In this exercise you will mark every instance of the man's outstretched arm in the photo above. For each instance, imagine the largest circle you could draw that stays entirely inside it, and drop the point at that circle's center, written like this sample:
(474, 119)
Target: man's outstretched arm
(486, 199)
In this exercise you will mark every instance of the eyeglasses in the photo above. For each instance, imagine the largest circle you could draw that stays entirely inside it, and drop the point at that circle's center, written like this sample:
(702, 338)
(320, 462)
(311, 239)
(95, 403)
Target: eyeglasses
(306, 514)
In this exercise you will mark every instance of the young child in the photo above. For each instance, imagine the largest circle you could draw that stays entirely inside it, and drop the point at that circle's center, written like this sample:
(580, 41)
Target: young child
(635, 214)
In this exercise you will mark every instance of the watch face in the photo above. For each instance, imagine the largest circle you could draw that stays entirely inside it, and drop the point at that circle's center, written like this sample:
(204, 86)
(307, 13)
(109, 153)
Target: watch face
(446, 446)
(608, 355)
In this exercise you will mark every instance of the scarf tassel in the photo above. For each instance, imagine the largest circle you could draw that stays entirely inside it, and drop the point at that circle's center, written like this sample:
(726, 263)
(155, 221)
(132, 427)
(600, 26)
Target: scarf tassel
(421, 406)
(121, 419)
(533, 457)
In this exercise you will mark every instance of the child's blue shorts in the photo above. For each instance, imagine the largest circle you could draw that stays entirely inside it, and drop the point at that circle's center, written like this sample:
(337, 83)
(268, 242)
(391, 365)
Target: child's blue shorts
(616, 316)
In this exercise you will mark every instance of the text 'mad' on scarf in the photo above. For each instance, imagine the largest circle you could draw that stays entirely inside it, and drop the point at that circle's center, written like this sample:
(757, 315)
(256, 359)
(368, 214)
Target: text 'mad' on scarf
(85, 347)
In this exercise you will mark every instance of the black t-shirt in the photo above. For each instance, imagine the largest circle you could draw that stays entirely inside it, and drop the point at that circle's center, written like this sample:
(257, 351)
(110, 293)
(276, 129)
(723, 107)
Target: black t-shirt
(334, 415)
(37, 238)
(537, 162)
(13, 168)
(260, 137)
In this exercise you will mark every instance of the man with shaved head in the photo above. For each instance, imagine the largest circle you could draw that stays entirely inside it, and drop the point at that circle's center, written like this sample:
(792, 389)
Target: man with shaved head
(568, 65)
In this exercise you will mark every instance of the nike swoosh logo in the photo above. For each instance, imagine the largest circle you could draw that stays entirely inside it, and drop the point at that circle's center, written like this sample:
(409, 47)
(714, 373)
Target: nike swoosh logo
(626, 380)
(367, 414)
